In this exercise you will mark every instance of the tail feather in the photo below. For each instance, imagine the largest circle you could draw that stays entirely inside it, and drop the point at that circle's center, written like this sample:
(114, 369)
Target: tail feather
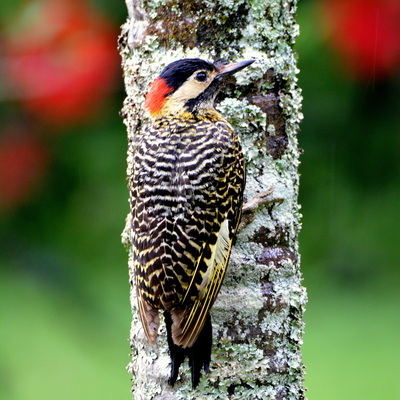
(177, 353)
(199, 353)
(150, 319)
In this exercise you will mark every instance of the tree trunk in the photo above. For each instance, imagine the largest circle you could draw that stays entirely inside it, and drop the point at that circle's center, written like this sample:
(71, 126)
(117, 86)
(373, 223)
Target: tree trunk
(257, 318)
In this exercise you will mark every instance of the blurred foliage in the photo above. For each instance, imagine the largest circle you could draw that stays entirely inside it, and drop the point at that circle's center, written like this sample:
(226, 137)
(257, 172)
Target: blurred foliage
(350, 196)
(65, 309)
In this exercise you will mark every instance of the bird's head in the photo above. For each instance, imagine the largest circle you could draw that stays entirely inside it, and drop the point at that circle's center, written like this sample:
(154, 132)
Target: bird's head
(188, 85)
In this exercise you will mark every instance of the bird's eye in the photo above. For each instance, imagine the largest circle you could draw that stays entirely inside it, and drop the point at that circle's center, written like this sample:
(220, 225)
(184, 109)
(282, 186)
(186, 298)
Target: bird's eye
(201, 76)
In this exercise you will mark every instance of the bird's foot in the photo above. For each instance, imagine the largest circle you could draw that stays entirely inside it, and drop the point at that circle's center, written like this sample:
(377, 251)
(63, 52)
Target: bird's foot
(250, 207)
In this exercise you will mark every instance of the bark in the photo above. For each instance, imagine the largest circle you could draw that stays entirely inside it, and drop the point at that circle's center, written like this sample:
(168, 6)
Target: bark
(257, 318)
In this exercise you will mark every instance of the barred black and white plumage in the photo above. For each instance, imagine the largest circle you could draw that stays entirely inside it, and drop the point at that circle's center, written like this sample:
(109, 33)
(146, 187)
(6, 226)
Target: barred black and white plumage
(186, 196)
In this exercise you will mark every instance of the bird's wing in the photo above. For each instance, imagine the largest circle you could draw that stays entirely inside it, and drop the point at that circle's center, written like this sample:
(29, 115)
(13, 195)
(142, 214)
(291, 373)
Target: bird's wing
(210, 267)
(188, 323)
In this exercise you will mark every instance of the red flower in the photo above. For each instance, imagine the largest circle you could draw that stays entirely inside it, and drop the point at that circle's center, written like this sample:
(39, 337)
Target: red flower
(23, 162)
(61, 60)
(367, 35)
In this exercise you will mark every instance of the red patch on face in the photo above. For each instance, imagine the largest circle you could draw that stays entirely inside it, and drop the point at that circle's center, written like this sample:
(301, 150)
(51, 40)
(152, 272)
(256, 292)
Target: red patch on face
(156, 97)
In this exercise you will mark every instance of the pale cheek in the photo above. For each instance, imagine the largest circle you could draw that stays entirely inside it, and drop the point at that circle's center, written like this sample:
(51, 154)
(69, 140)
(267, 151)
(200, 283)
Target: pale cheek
(188, 92)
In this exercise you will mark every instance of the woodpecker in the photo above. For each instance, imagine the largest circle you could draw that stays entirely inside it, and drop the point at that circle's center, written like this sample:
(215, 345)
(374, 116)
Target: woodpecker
(186, 198)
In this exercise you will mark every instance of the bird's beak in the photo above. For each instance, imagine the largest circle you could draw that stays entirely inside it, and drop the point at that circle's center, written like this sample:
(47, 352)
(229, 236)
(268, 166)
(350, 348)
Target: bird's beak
(229, 69)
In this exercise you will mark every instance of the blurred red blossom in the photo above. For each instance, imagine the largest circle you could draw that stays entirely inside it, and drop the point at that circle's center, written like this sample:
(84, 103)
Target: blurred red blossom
(23, 162)
(367, 35)
(60, 59)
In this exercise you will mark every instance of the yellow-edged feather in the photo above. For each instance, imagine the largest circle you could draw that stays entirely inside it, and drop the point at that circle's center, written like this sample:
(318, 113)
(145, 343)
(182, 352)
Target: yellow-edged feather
(192, 322)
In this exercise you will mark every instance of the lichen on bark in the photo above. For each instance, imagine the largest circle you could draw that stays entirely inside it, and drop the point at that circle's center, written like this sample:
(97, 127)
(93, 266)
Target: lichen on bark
(257, 318)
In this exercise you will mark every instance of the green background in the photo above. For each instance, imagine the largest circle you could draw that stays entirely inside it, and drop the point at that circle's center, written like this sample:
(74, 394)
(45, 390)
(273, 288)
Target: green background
(64, 289)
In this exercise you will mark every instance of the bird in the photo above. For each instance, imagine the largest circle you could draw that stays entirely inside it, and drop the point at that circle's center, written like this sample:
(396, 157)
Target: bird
(186, 194)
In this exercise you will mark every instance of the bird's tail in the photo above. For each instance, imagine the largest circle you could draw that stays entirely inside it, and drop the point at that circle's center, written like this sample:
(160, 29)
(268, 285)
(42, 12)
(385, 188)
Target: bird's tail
(199, 353)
